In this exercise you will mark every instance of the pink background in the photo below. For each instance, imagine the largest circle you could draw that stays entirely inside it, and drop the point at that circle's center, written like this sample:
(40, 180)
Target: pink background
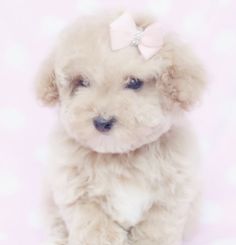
(27, 31)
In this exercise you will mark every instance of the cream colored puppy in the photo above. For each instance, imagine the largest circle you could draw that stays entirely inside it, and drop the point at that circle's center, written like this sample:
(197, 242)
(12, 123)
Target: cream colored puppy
(123, 158)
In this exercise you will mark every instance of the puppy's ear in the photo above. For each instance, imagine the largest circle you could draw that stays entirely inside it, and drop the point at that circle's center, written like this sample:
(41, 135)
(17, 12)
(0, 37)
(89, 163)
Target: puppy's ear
(184, 80)
(46, 88)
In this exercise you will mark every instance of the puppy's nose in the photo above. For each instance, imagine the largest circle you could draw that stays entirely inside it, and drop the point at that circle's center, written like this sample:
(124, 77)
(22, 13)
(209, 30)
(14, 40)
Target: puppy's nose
(102, 124)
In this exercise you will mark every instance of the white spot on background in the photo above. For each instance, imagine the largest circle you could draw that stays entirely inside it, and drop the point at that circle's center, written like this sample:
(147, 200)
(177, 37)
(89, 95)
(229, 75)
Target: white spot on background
(35, 220)
(11, 119)
(231, 176)
(224, 43)
(87, 7)
(224, 2)
(16, 55)
(9, 183)
(52, 25)
(205, 146)
(226, 241)
(194, 24)
(161, 7)
(41, 154)
(211, 213)
(3, 237)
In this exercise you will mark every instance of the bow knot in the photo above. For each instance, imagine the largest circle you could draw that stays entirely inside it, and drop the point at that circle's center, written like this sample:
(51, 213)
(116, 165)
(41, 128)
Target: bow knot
(124, 32)
(137, 38)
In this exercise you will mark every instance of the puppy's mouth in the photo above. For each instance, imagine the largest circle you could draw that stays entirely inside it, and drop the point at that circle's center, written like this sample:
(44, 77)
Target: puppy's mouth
(119, 141)
(106, 143)
(110, 135)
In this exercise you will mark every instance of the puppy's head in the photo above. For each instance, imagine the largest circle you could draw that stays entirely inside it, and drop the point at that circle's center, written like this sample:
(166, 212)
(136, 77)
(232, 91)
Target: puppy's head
(116, 101)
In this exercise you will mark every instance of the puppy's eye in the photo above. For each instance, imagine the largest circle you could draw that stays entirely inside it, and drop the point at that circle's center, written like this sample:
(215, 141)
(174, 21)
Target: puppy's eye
(79, 82)
(134, 83)
(82, 83)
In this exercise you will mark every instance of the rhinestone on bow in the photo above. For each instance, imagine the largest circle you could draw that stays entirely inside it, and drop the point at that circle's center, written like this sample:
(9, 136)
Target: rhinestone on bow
(137, 38)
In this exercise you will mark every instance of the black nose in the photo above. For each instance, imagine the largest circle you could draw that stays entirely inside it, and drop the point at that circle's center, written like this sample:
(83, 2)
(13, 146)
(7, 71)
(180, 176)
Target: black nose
(102, 124)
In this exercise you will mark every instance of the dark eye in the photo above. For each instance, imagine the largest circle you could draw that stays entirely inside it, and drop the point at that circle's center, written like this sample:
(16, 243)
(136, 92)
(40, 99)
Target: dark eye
(82, 83)
(134, 83)
(79, 82)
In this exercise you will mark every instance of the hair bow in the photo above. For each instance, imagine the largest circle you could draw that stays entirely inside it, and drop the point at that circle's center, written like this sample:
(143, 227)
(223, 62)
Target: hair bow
(124, 32)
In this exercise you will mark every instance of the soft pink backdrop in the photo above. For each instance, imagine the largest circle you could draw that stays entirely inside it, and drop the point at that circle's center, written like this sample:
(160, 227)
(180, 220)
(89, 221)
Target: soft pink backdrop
(27, 31)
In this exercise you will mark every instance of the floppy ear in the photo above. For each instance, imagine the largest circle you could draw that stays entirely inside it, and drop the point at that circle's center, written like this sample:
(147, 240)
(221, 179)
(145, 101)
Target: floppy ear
(46, 88)
(184, 80)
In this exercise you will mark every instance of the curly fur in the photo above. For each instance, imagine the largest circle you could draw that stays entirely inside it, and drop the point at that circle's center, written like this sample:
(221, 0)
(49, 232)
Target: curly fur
(133, 185)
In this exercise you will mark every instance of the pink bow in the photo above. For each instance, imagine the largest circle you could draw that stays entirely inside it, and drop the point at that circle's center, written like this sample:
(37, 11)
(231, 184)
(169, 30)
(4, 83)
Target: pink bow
(124, 32)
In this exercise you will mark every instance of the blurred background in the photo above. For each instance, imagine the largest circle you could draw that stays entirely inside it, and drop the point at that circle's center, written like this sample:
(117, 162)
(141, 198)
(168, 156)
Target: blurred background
(27, 32)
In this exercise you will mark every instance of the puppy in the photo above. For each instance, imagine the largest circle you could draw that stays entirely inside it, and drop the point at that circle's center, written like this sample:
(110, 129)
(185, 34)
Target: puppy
(123, 158)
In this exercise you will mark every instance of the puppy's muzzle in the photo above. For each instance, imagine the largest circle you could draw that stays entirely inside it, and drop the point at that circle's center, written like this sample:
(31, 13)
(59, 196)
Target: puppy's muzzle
(102, 124)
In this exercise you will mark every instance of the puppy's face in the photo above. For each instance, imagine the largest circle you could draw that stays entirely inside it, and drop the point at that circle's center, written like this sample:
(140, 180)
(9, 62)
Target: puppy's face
(115, 102)
(110, 103)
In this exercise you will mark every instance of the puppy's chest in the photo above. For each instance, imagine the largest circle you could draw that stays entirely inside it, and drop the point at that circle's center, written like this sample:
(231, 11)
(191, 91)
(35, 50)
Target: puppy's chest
(127, 202)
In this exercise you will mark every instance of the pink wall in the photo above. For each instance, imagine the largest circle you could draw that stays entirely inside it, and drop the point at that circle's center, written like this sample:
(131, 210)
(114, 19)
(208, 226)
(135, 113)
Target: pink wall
(28, 28)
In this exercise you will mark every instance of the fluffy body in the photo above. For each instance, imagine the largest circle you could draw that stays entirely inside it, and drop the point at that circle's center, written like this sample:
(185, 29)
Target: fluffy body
(136, 184)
